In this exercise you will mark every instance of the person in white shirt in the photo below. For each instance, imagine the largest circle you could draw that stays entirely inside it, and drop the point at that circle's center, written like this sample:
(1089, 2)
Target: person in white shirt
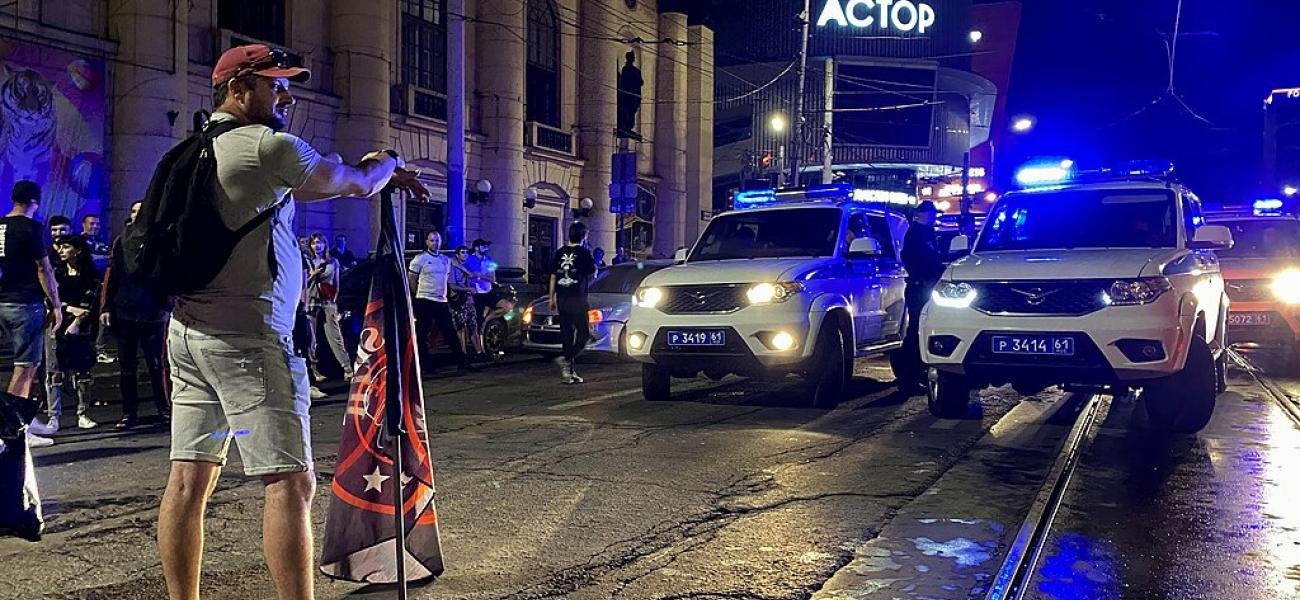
(429, 272)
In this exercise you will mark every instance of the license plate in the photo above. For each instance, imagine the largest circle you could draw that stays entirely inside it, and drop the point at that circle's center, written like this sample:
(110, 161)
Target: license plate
(1249, 318)
(709, 337)
(1048, 345)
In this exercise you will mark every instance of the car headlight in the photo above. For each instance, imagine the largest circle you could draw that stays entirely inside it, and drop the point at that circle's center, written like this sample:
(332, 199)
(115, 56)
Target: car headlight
(1129, 292)
(767, 293)
(953, 294)
(1286, 286)
(648, 297)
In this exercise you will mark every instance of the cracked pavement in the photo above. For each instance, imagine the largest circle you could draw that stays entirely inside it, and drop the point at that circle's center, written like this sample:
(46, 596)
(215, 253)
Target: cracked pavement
(731, 490)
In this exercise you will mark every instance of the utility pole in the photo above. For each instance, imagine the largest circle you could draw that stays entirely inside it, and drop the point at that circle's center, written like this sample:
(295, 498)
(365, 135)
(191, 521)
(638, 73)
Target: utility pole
(456, 123)
(797, 130)
(828, 122)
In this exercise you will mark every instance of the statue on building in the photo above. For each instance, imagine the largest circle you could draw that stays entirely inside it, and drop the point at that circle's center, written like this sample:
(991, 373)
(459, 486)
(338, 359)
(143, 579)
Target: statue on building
(629, 98)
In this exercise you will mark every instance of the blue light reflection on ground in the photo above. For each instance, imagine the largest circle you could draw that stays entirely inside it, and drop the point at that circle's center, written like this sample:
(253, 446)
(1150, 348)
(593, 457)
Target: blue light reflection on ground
(1080, 569)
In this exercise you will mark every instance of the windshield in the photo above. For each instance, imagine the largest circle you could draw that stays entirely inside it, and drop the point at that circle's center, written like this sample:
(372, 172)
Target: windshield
(770, 234)
(1263, 239)
(622, 279)
(1082, 219)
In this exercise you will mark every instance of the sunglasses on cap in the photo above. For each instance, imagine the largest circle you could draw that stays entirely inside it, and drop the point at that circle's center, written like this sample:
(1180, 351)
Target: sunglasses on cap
(276, 58)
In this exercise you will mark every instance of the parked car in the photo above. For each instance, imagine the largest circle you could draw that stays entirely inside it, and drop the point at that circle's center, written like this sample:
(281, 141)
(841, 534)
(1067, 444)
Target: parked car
(610, 296)
(1112, 284)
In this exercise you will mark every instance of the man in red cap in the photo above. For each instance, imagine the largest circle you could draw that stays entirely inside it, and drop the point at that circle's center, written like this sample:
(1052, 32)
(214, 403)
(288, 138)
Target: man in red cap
(235, 376)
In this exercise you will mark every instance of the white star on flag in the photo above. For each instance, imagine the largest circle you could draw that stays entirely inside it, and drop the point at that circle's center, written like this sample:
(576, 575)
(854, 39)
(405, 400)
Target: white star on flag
(375, 481)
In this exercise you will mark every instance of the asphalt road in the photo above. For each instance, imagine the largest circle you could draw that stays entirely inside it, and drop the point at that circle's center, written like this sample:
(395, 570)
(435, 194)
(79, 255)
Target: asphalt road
(731, 490)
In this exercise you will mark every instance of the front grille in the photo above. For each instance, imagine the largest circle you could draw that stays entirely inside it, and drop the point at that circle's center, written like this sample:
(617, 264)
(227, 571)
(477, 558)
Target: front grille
(1040, 297)
(688, 299)
(1249, 290)
(544, 337)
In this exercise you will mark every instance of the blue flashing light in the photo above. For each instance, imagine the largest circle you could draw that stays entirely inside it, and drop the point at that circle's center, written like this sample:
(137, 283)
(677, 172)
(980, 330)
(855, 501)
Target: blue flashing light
(752, 198)
(1267, 206)
(1040, 174)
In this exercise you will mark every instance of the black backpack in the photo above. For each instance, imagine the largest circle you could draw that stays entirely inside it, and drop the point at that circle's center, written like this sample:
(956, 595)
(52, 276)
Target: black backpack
(178, 243)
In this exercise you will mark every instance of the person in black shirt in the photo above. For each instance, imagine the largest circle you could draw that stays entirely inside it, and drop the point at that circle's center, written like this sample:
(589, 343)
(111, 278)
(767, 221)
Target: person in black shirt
(26, 281)
(138, 318)
(70, 350)
(346, 258)
(924, 267)
(570, 273)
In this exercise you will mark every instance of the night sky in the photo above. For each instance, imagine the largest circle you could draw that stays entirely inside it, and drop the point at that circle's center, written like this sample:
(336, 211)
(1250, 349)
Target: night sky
(1085, 68)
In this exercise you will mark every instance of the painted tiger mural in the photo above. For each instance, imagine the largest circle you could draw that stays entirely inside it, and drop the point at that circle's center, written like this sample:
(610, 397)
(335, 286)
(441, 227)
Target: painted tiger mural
(28, 124)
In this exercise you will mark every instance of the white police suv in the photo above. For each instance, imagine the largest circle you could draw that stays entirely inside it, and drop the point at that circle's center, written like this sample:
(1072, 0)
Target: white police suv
(791, 282)
(1102, 280)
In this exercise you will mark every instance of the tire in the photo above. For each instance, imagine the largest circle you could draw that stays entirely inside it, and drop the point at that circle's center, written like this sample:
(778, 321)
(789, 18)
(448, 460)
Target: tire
(1221, 372)
(656, 383)
(948, 395)
(494, 337)
(826, 378)
(1184, 401)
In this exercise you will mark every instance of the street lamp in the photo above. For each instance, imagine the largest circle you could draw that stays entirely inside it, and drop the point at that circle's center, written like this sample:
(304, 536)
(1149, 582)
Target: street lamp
(1023, 124)
(777, 123)
(1290, 190)
(976, 36)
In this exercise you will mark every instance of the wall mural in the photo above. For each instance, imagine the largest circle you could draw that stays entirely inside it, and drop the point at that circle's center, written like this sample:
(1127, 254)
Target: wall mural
(52, 119)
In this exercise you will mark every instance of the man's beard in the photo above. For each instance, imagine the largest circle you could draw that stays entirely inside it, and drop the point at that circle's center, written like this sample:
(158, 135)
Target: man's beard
(274, 120)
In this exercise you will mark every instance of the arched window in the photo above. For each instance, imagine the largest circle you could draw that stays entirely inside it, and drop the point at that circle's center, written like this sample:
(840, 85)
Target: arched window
(543, 83)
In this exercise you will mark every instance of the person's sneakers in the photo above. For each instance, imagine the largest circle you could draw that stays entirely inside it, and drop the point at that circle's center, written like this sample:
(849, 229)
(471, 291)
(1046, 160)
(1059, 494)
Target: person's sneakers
(574, 377)
(84, 422)
(104, 358)
(39, 428)
(316, 394)
(127, 423)
(566, 369)
(36, 441)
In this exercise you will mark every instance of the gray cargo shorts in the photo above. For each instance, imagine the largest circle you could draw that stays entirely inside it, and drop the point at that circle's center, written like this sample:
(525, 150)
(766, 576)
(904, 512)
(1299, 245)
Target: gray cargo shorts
(245, 388)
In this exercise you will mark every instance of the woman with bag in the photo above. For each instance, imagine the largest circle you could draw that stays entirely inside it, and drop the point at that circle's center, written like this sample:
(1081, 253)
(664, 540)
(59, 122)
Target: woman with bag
(463, 310)
(74, 341)
(322, 303)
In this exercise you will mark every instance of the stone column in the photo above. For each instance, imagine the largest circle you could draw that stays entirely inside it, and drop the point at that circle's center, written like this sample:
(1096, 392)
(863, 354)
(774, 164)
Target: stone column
(363, 61)
(597, 100)
(148, 82)
(500, 98)
(699, 115)
(670, 135)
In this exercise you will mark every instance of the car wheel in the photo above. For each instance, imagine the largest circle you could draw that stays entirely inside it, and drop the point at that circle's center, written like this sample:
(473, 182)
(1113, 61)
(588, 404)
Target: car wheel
(1184, 402)
(656, 383)
(948, 395)
(1221, 372)
(826, 378)
(494, 337)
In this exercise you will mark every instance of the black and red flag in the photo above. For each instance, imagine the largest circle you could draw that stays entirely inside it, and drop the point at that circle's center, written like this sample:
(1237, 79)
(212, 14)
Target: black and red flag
(383, 458)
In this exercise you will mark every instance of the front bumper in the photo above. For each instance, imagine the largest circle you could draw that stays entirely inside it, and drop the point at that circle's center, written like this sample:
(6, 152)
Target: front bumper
(1097, 359)
(543, 335)
(1283, 329)
(745, 351)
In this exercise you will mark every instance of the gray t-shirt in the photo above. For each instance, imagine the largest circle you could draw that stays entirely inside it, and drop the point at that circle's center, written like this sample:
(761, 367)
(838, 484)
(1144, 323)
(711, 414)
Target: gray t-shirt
(256, 169)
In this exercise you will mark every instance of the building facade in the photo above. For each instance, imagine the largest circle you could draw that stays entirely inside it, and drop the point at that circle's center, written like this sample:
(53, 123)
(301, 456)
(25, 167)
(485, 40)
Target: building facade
(97, 90)
(891, 98)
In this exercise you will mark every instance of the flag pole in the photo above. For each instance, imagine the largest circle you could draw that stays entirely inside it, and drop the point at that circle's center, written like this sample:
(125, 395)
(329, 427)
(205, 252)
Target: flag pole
(393, 401)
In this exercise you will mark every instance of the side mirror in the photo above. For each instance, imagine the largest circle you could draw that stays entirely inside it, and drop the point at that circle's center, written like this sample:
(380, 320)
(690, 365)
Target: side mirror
(959, 245)
(680, 256)
(864, 247)
(1211, 237)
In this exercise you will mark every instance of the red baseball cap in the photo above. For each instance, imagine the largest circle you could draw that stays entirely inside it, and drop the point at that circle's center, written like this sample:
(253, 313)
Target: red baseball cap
(256, 59)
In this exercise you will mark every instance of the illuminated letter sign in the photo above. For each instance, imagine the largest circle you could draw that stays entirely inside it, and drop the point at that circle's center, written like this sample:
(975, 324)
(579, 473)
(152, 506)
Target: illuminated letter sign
(899, 15)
